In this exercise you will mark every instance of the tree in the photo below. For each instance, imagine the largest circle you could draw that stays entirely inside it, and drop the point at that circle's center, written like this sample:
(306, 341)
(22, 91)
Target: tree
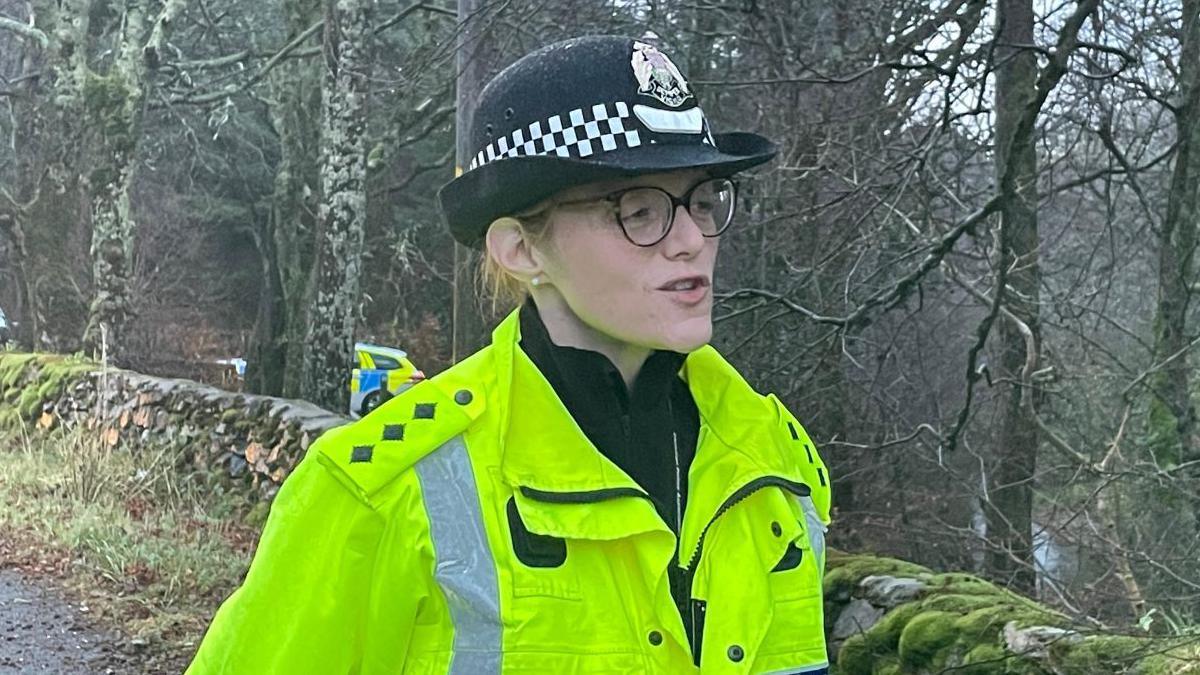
(114, 103)
(335, 290)
(1010, 522)
(1172, 413)
(286, 239)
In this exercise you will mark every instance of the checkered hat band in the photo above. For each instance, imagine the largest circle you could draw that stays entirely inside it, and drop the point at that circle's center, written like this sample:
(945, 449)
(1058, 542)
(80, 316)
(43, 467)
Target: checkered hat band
(583, 132)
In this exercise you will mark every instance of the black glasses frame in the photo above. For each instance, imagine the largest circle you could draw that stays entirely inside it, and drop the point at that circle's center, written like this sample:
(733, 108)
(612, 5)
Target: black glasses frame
(614, 198)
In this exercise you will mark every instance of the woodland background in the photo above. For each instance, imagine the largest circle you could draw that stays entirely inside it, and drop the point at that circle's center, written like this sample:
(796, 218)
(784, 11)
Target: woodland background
(969, 273)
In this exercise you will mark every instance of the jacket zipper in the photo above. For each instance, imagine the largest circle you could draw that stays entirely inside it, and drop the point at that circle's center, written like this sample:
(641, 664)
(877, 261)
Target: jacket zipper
(678, 477)
(741, 493)
(799, 489)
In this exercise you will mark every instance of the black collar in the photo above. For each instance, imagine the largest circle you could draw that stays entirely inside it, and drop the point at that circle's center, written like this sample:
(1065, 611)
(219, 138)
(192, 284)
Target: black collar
(587, 382)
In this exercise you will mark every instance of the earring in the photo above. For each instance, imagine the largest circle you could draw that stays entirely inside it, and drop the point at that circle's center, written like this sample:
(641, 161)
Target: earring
(536, 281)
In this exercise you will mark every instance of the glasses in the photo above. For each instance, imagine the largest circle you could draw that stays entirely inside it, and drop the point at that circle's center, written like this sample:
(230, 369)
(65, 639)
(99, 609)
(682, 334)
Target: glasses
(646, 214)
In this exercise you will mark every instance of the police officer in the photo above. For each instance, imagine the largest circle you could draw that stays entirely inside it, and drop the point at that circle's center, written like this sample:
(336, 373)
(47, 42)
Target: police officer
(596, 491)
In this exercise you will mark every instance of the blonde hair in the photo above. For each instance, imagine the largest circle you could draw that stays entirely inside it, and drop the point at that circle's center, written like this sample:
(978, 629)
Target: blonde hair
(503, 287)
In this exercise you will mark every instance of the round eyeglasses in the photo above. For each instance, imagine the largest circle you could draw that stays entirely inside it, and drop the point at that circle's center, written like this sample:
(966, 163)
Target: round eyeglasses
(646, 214)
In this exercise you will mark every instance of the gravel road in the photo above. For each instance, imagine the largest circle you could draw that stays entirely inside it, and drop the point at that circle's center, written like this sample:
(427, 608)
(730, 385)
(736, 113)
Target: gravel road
(42, 633)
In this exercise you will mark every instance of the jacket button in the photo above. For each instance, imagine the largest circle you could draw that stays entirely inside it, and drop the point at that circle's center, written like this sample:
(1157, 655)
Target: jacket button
(655, 638)
(735, 653)
(462, 396)
(776, 529)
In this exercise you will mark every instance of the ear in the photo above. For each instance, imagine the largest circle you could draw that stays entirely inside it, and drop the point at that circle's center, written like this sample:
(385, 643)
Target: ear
(508, 245)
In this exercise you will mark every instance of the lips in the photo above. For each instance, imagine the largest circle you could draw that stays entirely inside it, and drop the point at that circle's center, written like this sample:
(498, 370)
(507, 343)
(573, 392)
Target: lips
(687, 291)
(685, 284)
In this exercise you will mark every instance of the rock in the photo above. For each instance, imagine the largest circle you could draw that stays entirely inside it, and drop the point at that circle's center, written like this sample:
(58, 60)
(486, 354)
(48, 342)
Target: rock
(1035, 642)
(857, 617)
(236, 464)
(888, 591)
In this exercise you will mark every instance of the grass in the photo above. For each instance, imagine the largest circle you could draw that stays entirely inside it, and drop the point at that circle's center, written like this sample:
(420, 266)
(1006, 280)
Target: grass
(153, 553)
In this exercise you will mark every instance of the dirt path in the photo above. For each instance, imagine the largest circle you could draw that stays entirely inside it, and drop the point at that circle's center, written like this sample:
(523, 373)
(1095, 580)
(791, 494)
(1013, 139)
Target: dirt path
(42, 633)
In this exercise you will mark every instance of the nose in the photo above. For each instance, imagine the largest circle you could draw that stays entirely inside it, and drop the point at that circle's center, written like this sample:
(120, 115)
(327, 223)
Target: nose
(685, 240)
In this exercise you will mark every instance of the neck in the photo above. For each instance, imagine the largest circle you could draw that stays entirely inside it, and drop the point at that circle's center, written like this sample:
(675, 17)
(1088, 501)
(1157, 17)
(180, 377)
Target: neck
(566, 329)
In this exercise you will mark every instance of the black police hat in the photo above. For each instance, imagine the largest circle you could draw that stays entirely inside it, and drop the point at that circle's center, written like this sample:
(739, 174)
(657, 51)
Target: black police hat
(582, 110)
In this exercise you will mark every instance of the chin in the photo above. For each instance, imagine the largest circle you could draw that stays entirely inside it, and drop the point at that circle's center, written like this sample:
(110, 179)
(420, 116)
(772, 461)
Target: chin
(689, 336)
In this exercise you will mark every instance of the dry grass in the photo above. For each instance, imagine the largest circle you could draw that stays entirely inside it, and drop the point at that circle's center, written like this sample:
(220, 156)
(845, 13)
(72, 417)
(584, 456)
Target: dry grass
(153, 554)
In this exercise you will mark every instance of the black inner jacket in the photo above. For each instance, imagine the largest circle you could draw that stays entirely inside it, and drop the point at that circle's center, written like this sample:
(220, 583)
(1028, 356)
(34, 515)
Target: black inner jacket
(631, 426)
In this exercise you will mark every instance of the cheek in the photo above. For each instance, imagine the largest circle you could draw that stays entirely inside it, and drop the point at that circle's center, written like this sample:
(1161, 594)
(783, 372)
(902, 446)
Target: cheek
(600, 271)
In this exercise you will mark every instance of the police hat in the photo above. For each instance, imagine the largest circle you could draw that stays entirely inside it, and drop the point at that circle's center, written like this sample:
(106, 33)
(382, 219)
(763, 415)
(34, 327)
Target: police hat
(578, 111)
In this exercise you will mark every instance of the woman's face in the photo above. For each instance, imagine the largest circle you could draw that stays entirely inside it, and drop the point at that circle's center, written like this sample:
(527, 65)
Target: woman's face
(655, 297)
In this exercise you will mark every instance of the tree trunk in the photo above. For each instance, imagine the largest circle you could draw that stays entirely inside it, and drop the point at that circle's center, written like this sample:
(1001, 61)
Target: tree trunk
(28, 178)
(286, 245)
(467, 321)
(47, 117)
(1172, 415)
(1010, 518)
(341, 218)
(114, 105)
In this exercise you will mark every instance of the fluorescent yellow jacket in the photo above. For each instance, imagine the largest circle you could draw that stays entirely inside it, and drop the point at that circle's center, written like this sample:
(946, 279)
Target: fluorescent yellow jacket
(468, 526)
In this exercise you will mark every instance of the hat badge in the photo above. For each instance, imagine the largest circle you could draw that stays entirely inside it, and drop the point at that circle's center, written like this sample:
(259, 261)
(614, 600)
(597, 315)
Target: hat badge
(657, 76)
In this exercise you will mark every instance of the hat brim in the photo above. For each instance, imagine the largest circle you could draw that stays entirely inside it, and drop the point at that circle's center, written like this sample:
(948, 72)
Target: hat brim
(509, 186)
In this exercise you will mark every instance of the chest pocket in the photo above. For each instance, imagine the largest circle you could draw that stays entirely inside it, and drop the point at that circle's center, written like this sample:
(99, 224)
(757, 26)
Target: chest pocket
(799, 572)
(563, 614)
(796, 634)
(540, 564)
(534, 550)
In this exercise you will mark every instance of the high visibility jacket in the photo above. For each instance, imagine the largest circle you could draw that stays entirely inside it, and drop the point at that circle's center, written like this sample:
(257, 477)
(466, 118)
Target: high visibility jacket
(467, 526)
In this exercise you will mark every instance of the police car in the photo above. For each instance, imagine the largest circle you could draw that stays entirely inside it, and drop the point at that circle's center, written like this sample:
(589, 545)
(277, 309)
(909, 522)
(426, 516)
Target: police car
(382, 373)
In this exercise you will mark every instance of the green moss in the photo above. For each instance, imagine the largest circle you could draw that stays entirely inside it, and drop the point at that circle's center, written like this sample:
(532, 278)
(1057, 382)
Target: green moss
(855, 657)
(885, 635)
(992, 654)
(12, 368)
(926, 635)
(985, 623)
(989, 659)
(844, 572)
(956, 602)
(962, 584)
(888, 666)
(31, 380)
(1185, 660)
(1098, 654)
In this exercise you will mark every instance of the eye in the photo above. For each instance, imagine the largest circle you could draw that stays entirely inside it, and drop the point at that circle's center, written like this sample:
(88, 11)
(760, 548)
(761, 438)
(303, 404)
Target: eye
(641, 208)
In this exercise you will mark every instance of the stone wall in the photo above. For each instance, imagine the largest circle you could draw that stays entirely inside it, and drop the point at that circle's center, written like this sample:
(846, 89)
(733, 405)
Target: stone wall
(241, 439)
(887, 617)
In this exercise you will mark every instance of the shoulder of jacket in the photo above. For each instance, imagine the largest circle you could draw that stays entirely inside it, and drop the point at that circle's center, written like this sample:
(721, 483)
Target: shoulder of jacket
(379, 448)
(812, 467)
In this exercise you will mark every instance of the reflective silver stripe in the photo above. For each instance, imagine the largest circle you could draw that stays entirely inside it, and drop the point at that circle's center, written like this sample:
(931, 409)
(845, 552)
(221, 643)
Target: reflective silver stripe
(465, 569)
(816, 531)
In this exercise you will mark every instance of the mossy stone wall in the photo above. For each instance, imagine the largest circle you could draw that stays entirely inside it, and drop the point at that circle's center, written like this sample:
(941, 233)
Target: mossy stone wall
(238, 439)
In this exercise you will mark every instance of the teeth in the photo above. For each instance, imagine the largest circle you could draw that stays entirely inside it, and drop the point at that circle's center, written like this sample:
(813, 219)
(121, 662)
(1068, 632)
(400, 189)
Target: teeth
(684, 285)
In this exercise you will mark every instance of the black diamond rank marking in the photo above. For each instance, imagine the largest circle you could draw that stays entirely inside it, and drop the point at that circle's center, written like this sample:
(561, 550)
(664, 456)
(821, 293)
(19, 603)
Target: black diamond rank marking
(361, 453)
(423, 411)
(393, 432)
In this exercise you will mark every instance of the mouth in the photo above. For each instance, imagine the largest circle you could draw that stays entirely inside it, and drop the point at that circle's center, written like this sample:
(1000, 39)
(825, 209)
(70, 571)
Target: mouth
(685, 284)
(688, 290)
